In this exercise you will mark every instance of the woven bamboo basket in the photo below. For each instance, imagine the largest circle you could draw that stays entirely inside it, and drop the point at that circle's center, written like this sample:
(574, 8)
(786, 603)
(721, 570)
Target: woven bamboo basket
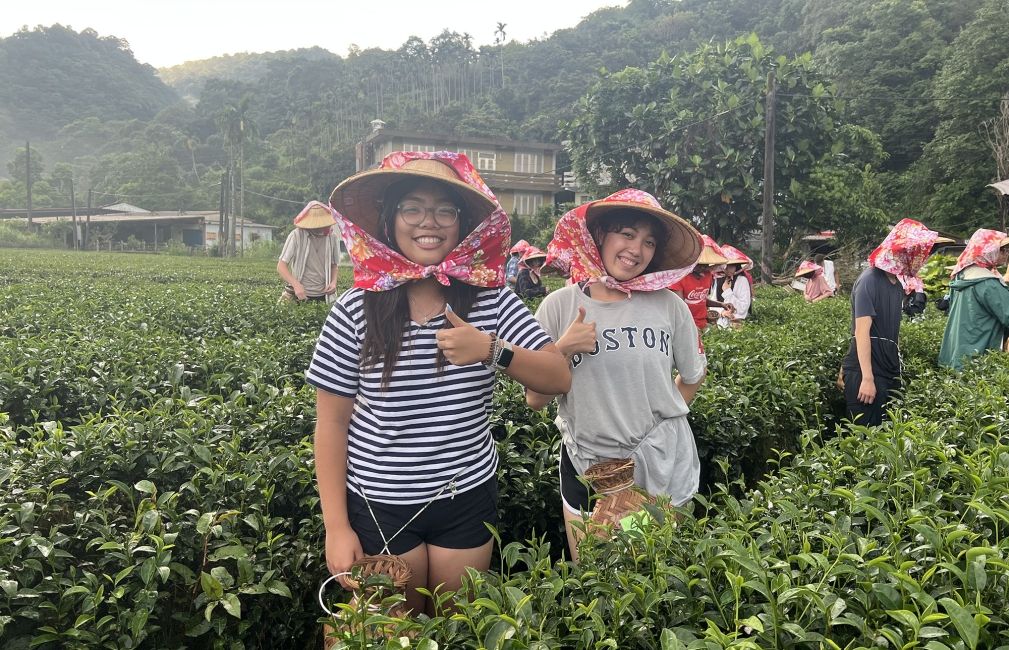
(356, 579)
(391, 566)
(614, 481)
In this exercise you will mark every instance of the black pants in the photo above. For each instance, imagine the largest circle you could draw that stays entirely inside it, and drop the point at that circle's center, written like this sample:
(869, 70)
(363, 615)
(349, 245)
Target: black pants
(869, 415)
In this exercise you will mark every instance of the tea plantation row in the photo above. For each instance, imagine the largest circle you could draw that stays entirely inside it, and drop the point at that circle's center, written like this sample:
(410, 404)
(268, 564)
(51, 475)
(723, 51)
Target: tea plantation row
(156, 485)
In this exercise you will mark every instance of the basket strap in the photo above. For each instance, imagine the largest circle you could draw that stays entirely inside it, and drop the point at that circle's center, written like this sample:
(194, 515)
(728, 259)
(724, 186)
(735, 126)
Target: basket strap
(322, 588)
(386, 541)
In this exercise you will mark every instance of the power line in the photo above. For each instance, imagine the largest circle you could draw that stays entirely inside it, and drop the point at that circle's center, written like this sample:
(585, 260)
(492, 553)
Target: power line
(275, 198)
(119, 195)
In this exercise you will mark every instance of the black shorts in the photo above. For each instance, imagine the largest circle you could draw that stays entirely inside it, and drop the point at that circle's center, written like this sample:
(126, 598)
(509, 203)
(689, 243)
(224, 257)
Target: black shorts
(575, 492)
(453, 522)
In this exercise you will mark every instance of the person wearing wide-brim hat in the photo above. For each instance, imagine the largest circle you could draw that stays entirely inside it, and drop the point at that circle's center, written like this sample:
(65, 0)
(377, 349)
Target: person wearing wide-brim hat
(979, 300)
(514, 262)
(627, 337)
(529, 283)
(816, 288)
(310, 260)
(736, 289)
(405, 370)
(695, 288)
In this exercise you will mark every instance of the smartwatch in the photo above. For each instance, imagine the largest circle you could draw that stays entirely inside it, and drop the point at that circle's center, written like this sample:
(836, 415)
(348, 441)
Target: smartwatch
(507, 354)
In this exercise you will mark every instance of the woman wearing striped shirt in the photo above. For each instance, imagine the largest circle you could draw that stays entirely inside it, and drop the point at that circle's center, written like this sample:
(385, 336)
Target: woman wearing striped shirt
(404, 369)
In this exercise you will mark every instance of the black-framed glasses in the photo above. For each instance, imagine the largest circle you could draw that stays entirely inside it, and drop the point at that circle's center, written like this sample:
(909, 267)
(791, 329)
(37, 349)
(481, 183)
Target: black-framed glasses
(414, 213)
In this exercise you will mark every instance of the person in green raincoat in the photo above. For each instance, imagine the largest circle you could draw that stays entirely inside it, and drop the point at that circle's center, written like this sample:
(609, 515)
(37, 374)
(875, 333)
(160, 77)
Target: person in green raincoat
(979, 303)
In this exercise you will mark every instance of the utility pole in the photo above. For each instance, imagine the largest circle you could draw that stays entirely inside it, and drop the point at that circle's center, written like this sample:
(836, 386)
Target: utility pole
(767, 245)
(28, 180)
(220, 219)
(73, 211)
(241, 181)
(231, 214)
(231, 210)
(87, 223)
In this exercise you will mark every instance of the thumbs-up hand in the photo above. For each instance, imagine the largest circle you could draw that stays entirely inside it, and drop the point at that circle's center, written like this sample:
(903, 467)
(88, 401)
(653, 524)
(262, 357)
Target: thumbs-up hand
(461, 343)
(580, 336)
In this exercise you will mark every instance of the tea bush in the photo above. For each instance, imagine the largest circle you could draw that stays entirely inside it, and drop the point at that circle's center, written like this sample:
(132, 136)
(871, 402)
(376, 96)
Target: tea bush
(157, 485)
(890, 537)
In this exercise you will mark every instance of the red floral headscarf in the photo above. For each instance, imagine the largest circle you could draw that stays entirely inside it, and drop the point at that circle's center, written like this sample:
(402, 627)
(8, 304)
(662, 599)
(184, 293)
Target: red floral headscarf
(478, 259)
(904, 252)
(574, 251)
(982, 250)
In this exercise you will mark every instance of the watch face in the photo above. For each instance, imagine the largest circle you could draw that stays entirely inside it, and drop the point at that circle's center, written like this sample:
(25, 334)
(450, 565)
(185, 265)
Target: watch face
(505, 358)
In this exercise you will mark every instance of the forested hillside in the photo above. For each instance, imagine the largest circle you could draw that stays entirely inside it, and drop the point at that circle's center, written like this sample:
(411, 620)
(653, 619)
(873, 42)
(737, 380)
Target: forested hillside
(909, 83)
(188, 78)
(52, 76)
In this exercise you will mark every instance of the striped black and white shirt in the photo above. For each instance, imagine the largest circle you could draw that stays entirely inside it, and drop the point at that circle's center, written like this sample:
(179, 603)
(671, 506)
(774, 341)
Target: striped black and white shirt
(429, 427)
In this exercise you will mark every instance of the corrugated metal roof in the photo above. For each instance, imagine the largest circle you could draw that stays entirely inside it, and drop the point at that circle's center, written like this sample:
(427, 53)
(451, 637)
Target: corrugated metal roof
(199, 216)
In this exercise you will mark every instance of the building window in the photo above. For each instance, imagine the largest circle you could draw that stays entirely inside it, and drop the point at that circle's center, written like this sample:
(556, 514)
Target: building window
(486, 160)
(529, 163)
(413, 146)
(527, 203)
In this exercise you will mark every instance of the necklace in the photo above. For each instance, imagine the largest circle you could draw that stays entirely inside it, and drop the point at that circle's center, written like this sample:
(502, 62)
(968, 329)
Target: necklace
(427, 315)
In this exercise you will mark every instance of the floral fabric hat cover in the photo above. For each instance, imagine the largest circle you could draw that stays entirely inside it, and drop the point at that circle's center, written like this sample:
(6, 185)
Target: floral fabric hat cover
(477, 260)
(904, 252)
(982, 250)
(574, 251)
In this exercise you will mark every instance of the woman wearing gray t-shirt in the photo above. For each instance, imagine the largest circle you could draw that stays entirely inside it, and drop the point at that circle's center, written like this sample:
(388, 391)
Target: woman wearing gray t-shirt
(626, 336)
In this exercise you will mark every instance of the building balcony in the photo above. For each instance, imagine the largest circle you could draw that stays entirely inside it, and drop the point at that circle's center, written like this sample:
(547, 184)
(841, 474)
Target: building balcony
(522, 181)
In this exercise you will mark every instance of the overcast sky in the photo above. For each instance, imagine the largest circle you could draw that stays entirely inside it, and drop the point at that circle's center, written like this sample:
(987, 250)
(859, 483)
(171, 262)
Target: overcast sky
(166, 32)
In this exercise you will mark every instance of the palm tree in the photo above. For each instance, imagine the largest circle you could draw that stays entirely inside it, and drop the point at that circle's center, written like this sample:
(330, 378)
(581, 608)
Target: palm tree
(190, 143)
(237, 127)
(499, 39)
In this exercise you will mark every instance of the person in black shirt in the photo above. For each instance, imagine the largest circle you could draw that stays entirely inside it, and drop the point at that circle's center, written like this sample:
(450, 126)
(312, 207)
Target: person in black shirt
(871, 369)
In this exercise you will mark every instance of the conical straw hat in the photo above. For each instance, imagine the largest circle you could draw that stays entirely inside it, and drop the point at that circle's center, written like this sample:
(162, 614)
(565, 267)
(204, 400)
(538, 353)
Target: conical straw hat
(359, 198)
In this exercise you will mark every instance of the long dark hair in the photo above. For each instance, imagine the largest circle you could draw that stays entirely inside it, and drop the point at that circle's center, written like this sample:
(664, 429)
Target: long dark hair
(387, 313)
(617, 220)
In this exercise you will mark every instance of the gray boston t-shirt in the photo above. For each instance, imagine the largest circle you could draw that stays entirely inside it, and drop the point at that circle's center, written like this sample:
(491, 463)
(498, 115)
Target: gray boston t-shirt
(623, 401)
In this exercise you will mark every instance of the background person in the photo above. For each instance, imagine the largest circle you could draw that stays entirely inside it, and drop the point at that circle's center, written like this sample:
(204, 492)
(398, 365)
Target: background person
(514, 261)
(310, 260)
(737, 286)
(695, 287)
(979, 300)
(871, 368)
(627, 338)
(405, 370)
(816, 284)
(530, 279)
